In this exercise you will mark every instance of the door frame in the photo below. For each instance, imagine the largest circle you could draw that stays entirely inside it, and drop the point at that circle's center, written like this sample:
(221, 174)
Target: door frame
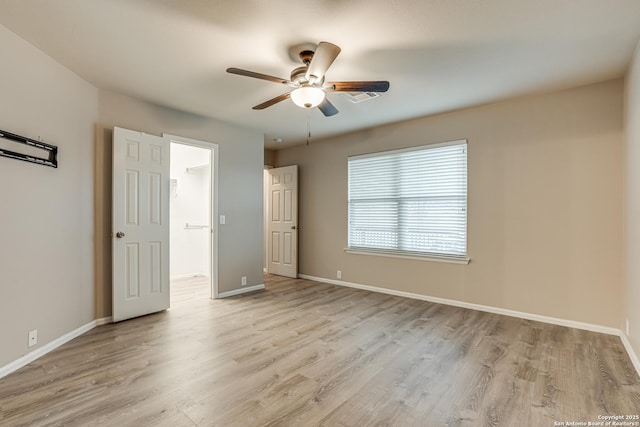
(213, 197)
(265, 219)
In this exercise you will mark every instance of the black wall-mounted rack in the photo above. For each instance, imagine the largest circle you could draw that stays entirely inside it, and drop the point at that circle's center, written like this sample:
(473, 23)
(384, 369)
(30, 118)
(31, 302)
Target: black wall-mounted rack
(49, 160)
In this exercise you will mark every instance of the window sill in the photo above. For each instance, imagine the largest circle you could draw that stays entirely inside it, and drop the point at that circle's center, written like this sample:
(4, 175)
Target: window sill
(389, 254)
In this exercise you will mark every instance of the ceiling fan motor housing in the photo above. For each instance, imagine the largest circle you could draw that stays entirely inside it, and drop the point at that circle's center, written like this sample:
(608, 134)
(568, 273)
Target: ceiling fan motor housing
(298, 76)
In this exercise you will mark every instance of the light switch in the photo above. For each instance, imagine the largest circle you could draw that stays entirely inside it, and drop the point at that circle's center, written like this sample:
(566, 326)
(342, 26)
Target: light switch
(223, 220)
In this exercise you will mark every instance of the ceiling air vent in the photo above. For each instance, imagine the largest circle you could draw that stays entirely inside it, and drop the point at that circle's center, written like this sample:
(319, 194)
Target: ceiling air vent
(356, 97)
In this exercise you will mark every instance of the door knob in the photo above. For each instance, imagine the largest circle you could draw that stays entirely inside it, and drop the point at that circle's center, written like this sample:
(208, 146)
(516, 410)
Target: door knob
(293, 227)
(119, 234)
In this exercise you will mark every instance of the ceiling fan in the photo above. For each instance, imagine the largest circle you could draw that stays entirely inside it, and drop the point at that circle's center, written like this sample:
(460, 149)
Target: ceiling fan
(308, 82)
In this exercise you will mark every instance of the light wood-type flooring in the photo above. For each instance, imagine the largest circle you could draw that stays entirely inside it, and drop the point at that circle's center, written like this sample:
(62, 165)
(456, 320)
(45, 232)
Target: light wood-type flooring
(303, 353)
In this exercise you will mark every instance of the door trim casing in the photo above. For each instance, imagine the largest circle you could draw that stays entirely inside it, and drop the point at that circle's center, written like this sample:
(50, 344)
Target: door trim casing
(213, 197)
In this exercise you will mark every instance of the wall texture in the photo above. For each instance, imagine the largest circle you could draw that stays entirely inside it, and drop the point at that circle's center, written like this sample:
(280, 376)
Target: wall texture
(632, 199)
(46, 214)
(544, 206)
(239, 187)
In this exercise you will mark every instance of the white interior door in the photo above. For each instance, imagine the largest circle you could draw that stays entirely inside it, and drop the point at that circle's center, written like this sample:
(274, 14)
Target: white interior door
(140, 224)
(283, 221)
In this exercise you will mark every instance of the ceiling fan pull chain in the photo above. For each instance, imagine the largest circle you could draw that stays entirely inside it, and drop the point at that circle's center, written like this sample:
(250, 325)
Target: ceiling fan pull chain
(308, 129)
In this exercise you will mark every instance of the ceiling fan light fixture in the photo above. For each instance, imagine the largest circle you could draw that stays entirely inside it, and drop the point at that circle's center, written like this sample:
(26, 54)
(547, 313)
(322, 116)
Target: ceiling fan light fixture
(307, 96)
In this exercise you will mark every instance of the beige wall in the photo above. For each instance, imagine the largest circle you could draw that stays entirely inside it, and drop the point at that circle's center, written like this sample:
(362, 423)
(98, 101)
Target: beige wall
(46, 214)
(544, 208)
(632, 199)
(239, 187)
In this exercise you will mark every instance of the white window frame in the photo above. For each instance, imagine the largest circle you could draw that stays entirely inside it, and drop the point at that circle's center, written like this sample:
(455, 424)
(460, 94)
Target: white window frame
(460, 256)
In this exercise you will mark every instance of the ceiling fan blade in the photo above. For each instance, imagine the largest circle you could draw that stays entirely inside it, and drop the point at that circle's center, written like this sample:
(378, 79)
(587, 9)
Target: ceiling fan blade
(327, 108)
(322, 59)
(255, 75)
(272, 101)
(366, 86)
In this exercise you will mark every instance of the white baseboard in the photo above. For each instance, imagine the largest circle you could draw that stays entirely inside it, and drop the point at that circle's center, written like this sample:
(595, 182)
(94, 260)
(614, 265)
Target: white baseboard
(241, 291)
(495, 310)
(41, 351)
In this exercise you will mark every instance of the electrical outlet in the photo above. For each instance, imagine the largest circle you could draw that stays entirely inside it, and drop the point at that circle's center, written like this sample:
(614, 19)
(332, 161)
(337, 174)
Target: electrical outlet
(33, 337)
(339, 274)
(243, 281)
(627, 327)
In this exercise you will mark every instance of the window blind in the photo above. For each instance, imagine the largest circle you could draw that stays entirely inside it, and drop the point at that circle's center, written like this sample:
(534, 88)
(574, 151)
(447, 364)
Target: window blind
(410, 201)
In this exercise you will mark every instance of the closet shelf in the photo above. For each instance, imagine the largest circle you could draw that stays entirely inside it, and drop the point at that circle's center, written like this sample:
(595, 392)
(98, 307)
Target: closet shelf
(197, 168)
(194, 226)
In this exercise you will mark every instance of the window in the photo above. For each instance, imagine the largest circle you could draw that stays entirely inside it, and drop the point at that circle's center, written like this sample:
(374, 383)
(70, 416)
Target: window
(410, 202)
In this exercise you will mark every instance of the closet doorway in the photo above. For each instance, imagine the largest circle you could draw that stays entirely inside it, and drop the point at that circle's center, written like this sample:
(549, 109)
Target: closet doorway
(193, 231)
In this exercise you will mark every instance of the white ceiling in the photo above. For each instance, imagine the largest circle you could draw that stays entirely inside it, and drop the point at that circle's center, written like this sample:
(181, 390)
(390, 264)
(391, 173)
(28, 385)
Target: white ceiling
(438, 55)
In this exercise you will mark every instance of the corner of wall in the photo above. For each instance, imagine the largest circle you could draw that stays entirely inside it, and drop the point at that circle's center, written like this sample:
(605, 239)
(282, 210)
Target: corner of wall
(632, 201)
(270, 157)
